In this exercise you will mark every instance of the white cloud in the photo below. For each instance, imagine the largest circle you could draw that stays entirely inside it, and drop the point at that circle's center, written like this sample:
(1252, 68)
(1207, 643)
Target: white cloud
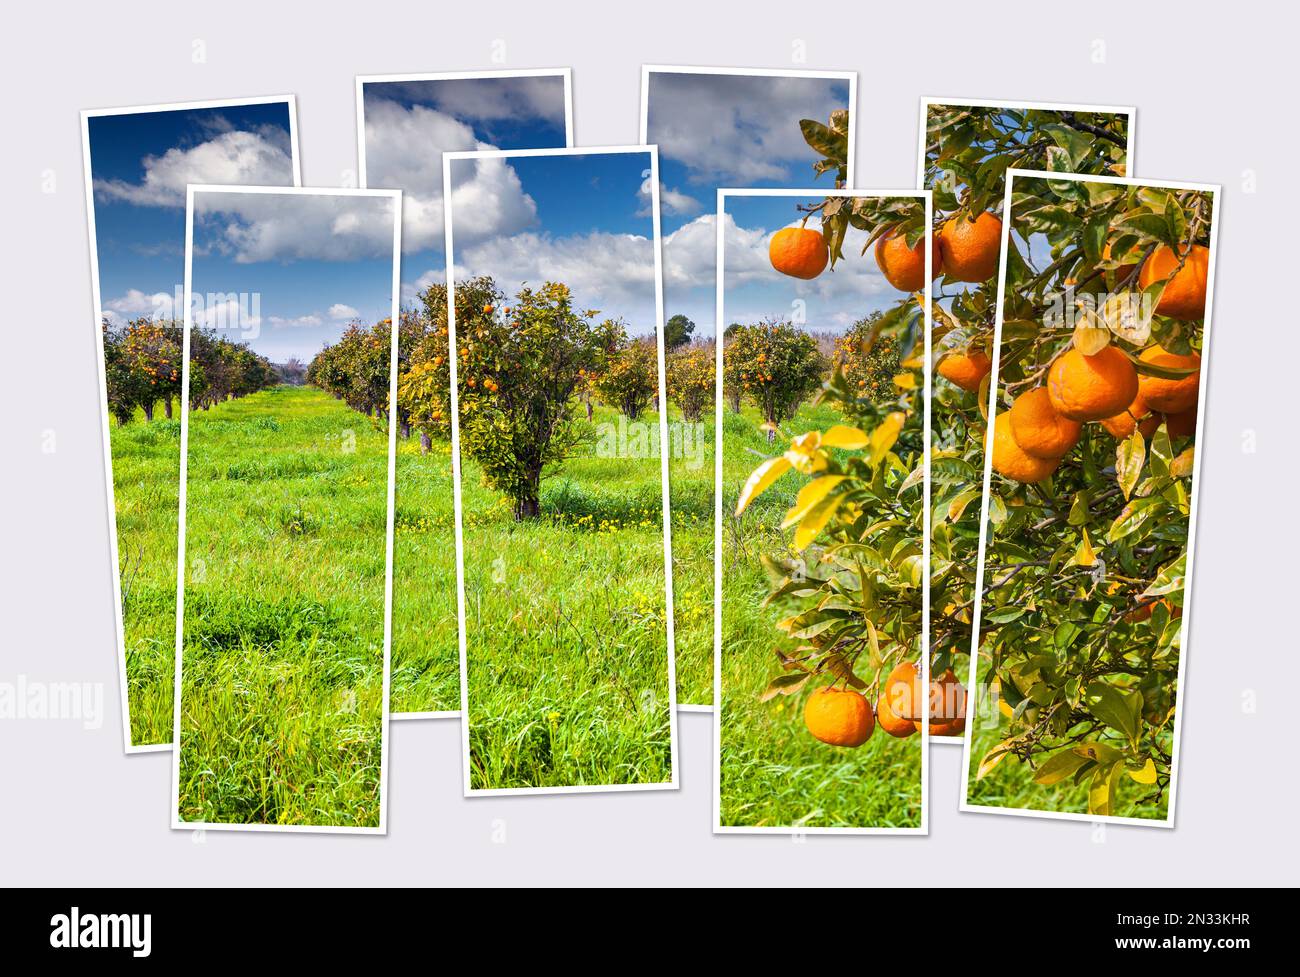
(253, 227)
(340, 311)
(610, 272)
(309, 321)
(136, 303)
(404, 148)
(747, 261)
(673, 201)
(735, 129)
(488, 201)
(481, 99)
(232, 157)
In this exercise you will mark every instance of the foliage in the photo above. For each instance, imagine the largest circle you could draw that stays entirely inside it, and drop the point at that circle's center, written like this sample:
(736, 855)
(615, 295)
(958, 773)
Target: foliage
(968, 151)
(1080, 622)
(357, 368)
(677, 332)
(692, 379)
(773, 364)
(518, 370)
(629, 378)
(851, 581)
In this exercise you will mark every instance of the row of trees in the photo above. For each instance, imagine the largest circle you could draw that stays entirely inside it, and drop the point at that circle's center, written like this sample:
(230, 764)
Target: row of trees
(144, 359)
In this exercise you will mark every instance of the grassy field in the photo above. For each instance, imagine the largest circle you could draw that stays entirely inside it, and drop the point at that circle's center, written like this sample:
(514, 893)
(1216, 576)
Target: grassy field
(282, 702)
(146, 487)
(690, 478)
(773, 773)
(566, 631)
(425, 672)
(1010, 783)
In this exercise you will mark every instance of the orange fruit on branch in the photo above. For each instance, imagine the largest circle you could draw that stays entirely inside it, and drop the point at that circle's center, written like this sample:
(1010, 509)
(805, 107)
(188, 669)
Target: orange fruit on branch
(947, 698)
(965, 370)
(903, 690)
(1170, 396)
(840, 717)
(904, 267)
(889, 721)
(970, 249)
(1138, 416)
(1091, 388)
(1012, 461)
(1184, 294)
(799, 252)
(1182, 424)
(1038, 429)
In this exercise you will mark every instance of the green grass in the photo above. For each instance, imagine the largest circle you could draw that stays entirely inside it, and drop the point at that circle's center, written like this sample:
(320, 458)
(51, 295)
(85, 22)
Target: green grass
(566, 634)
(282, 698)
(773, 773)
(690, 489)
(425, 671)
(1010, 784)
(146, 489)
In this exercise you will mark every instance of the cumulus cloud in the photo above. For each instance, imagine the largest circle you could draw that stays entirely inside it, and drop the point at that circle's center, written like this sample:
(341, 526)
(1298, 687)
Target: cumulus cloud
(135, 304)
(231, 157)
(488, 201)
(481, 99)
(610, 272)
(735, 129)
(404, 147)
(340, 311)
(251, 227)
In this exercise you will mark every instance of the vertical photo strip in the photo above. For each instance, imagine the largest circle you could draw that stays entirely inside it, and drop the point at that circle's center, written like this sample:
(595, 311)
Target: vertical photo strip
(820, 680)
(966, 148)
(138, 162)
(1096, 409)
(404, 125)
(546, 368)
(286, 530)
(721, 127)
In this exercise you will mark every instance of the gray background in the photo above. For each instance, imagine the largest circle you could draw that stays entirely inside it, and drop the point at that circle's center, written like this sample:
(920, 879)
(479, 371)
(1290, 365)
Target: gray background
(1208, 84)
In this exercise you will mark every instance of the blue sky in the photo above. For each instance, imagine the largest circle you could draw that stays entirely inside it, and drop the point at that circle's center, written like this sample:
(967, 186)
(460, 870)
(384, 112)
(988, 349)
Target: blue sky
(725, 131)
(584, 220)
(140, 165)
(303, 266)
(410, 124)
(832, 302)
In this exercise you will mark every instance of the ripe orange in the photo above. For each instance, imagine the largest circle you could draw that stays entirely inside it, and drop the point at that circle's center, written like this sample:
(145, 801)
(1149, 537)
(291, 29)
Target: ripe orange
(904, 267)
(947, 698)
(892, 724)
(1182, 424)
(1038, 429)
(1184, 295)
(1011, 461)
(1125, 269)
(1138, 415)
(840, 717)
(954, 728)
(1143, 612)
(966, 370)
(903, 690)
(1170, 396)
(799, 252)
(970, 249)
(1091, 388)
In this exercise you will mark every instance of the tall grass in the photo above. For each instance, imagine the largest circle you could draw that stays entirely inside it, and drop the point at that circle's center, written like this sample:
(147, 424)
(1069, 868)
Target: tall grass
(566, 631)
(282, 696)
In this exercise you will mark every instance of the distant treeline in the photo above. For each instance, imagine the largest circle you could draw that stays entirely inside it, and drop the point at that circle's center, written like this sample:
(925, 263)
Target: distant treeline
(143, 362)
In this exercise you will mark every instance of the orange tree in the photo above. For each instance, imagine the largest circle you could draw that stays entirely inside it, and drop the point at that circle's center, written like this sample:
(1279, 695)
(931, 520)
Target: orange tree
(518, 370)
(774, 365)
(692, 379)
(629, 379)
(143, 366)
(851, 581)
(1088, 511)
(968, 151)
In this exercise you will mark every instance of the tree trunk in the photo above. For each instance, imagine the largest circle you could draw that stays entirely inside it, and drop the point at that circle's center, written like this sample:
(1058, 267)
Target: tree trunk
(148, 411)
(167, 408)
(425, 443)
(406, 429)
(589, 411)
(735, 403)
(527, 508)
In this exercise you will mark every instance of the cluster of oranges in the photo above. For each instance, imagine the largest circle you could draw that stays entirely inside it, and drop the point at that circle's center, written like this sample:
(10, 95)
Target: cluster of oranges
(845, 717)
(1044, 423)
(964, 250)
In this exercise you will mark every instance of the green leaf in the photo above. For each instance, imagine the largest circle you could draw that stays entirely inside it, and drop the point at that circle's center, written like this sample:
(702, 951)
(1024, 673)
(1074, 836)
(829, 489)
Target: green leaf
(809, 496)
(1058, 767)
(1109, 705)
(1169, 580)
(1130, 456)
(761, 479)
(787, 684)
(1101, 792)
